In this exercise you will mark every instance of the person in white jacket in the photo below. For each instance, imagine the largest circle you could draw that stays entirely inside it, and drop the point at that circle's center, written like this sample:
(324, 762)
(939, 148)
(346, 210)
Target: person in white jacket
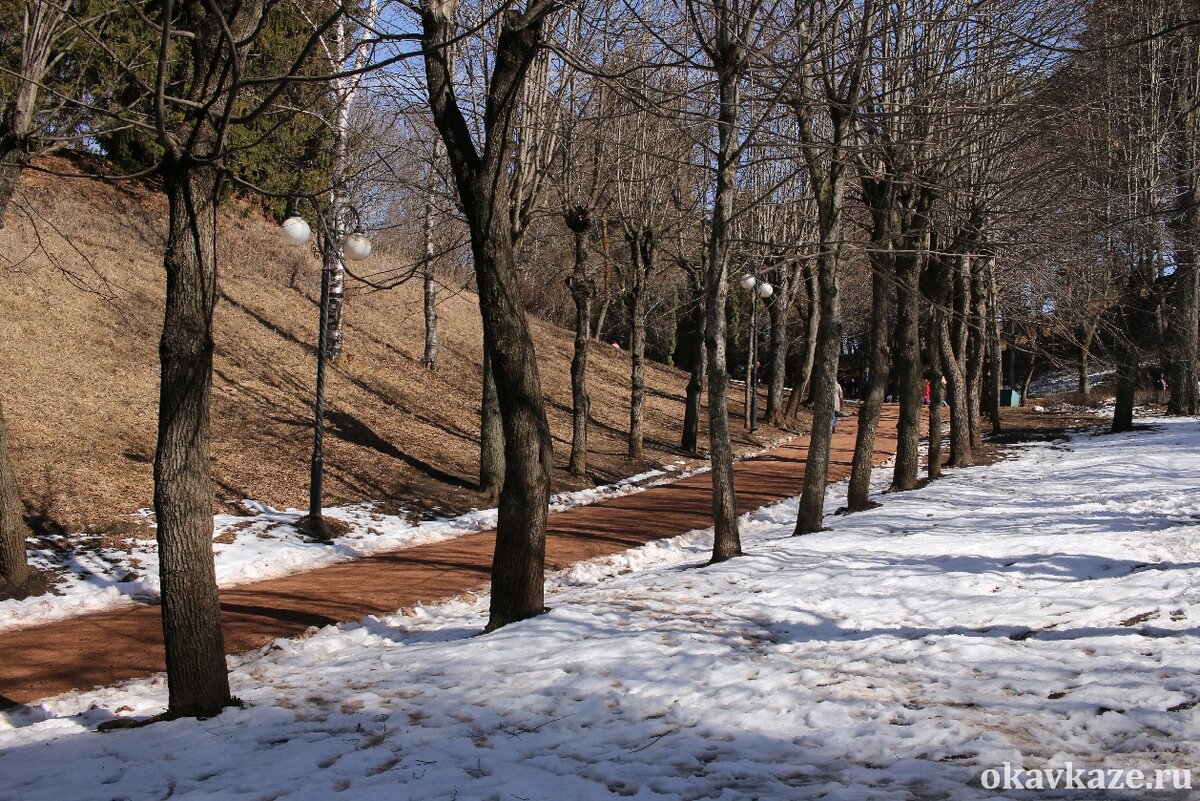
(837, 402)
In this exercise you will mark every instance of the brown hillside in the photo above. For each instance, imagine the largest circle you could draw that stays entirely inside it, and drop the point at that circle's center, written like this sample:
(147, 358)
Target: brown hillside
(79, 318)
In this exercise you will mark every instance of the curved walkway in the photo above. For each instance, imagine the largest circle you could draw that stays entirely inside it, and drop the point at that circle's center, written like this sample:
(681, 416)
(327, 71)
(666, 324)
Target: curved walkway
(107, 647)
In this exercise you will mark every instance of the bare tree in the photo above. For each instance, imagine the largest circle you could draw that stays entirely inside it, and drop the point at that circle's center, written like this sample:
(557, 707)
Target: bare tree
(481, 168)
(728, 44)
(643, 151)
(829, 96)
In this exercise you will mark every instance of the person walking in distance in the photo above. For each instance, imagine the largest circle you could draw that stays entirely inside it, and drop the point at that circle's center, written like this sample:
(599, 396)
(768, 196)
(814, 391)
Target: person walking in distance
(837, 403)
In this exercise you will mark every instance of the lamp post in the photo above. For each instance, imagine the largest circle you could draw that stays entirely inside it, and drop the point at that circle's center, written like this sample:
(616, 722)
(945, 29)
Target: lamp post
(758, 289)
(295, 231)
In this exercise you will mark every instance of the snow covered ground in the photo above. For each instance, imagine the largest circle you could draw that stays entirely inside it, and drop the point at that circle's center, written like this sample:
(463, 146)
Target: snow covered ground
(263, 546)
(1067, 380)
(1039, 612)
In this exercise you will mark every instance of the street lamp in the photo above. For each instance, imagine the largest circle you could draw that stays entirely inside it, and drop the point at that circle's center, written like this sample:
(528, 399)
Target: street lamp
(758, 289)
(295, 231)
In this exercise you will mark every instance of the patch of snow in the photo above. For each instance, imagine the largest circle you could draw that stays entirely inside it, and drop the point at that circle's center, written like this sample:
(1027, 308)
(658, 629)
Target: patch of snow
(1068, 380)
(1038, 611)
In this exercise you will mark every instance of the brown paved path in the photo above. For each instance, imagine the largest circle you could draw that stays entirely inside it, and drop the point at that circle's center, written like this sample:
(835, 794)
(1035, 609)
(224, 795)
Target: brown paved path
(107, 647)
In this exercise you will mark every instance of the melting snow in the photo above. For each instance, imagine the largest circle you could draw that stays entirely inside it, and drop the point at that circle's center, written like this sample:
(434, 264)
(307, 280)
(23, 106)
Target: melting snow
(1037, 611)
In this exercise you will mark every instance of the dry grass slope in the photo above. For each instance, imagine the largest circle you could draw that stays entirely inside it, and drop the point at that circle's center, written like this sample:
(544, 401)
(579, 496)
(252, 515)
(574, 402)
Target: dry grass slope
(80, 312)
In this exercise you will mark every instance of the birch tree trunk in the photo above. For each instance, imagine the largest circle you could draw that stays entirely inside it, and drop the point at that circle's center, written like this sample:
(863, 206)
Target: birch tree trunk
(429, 289)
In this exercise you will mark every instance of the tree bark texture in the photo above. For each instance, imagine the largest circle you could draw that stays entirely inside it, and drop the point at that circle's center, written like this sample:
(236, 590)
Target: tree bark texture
(14, 566)
(183, 494)
(482, 179)
(582, 288)
(947, 365)
(811, 512)
(802, 386)
(690, 441)
(829, 186)
(995, 373)
(727, 541)
(15, 572)
(908, 371)
(1185, 397)
(937, 322)
(779, 305)
(976, 344)
(857, 496)
(1084, 384)
(429, 279)
(1139, 308)
(641, 261)
(491, 432)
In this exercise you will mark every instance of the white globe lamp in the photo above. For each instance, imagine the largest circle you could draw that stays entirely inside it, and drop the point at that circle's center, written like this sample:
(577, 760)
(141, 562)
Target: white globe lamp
(356, 246)
(295, 231)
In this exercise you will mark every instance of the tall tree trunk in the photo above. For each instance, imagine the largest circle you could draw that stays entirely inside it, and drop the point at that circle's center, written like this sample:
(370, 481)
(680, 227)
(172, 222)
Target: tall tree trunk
(602, 315)
(690, 441)
(14, 566)
(518, 565)
(1128, 374)
(606, 299)
(908, 371)
(1028, 379)
(1185, 397)
(582, 289)
(857, 496)
(1085, 352)
(750, 374)
(810, 514)
(1185, 225)
(996, 371)
(429, 277)
(937, 322)
(961, 454)
(641, 260)
(482, 178)
(338, 231)
(183, 494)
(1134, 318)
(803, 384)
(778, 307)
(727, 541)
(976, 344)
